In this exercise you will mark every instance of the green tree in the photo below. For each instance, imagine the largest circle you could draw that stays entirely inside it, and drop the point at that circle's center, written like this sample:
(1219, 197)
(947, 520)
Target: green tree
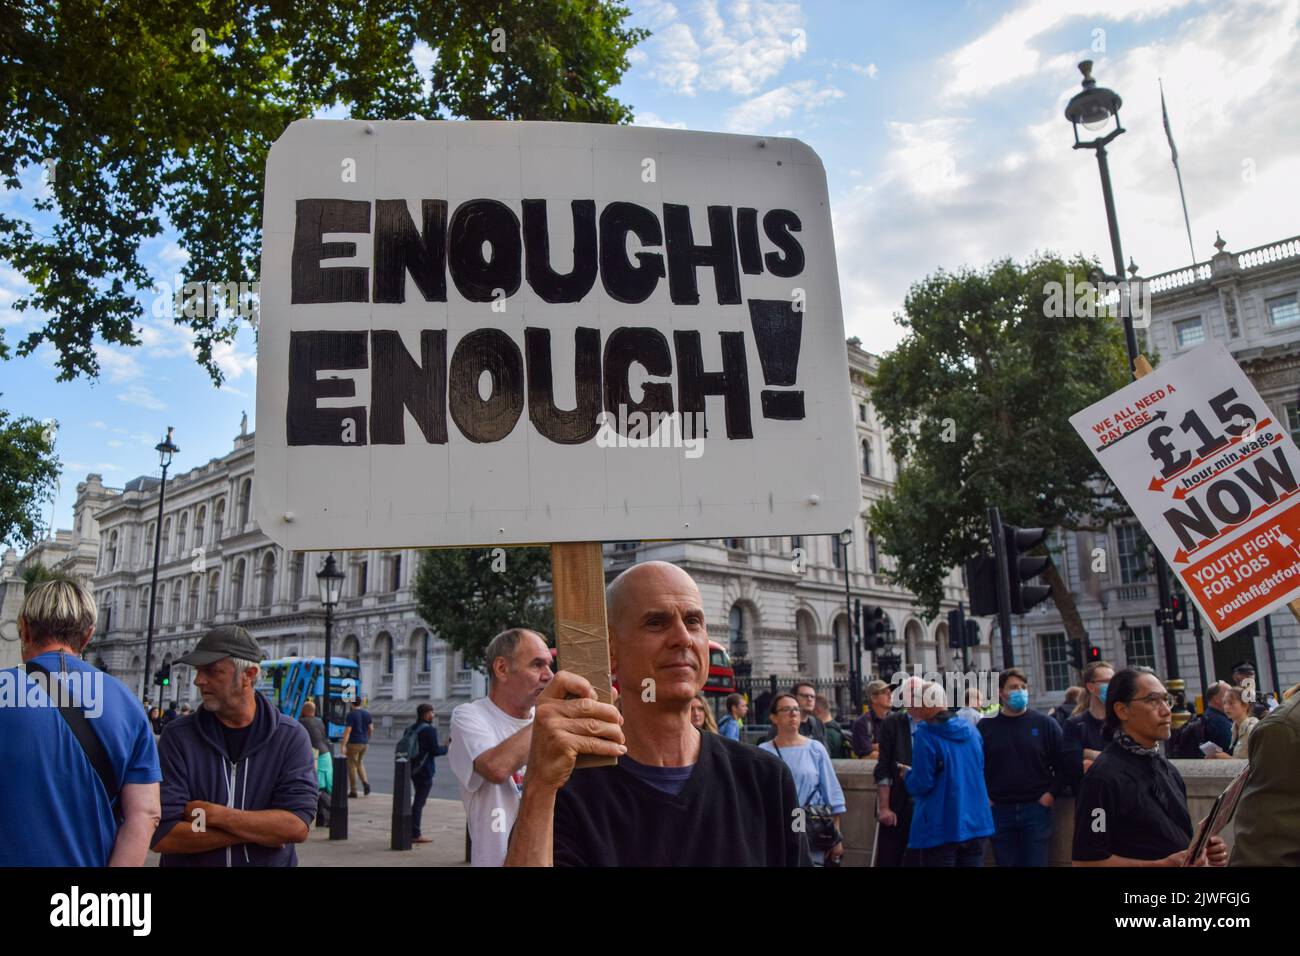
(977, 399)
(28, 472)
(469, 595)
(151, 112)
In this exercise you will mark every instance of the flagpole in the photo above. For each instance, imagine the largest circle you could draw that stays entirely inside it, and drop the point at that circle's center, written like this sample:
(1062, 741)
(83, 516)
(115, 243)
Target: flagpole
(1173, 153)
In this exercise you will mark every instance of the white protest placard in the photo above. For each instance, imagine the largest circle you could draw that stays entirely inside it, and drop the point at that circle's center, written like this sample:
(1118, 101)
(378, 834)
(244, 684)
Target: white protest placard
(478, 333)
(1212, 477)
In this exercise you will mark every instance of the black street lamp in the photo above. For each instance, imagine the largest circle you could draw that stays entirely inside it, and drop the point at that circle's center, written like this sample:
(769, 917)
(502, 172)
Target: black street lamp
(855, 688)
(166, 449)
(1096, 109)
(330, 579)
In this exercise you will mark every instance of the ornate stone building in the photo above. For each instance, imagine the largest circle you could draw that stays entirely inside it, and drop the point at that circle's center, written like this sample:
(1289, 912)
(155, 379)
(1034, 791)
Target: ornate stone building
(1247, 300)
(778, 604)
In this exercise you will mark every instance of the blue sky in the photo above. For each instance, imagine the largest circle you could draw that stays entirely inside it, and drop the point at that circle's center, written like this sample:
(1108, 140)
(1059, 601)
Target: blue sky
(941, 128)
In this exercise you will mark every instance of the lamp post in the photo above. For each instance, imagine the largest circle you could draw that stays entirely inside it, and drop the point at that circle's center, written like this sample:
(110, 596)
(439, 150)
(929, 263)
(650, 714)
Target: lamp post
(166, 449)
(1096, 109)
(330, 579)
(855, 689)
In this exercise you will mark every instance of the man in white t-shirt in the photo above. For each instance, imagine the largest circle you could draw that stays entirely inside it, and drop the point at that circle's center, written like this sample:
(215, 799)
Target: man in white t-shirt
(490, 739)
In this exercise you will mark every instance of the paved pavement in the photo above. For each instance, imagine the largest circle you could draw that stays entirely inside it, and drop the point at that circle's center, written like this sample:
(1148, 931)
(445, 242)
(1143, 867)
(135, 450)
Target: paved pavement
(379, 768)
(370, 837)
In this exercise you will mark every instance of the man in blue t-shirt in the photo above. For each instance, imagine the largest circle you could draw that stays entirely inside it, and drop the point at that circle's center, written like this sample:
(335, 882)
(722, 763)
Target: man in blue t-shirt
(356, 737)
(56, 808)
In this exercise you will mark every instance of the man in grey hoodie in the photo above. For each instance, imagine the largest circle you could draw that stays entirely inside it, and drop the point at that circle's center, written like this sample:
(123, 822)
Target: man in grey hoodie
(239, 781)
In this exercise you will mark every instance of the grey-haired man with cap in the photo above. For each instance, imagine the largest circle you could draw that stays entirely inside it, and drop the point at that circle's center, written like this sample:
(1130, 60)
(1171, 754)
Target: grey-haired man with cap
(239, 781)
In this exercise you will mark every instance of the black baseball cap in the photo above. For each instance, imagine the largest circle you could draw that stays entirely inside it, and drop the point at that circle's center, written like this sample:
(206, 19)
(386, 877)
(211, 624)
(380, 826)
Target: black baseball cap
(228, 640)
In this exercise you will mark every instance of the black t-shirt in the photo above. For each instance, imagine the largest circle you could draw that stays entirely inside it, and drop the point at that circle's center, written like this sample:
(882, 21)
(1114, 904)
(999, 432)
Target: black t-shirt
(736, 809)
(236, 741)
(1082, 732)
(1131, 806)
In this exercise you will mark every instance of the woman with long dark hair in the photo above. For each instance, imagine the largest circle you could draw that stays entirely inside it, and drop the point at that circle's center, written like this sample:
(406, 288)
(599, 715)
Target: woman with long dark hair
(1132, 804)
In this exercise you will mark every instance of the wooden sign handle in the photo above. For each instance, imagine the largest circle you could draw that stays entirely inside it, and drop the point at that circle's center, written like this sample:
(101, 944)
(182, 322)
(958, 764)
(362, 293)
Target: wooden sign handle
(581, 634)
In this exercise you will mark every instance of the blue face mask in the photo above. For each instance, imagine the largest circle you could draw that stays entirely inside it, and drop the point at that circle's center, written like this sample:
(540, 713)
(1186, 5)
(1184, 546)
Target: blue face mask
(1018, 700)
(1101, 692)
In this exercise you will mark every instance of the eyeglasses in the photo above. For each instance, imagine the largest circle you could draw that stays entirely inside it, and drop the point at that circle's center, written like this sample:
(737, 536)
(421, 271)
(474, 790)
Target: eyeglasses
(1155, 700)
(786, 710)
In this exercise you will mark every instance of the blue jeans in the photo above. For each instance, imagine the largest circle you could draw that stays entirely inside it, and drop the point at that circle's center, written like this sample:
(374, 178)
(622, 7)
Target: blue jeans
(1022, 833)
(966, 854)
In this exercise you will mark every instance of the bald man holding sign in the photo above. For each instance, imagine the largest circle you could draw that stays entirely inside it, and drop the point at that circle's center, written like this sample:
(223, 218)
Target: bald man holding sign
(676, 797)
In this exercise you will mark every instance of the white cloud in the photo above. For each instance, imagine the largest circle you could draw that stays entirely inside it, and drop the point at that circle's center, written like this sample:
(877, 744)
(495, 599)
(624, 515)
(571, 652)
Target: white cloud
(1004, 53)
(761, 113)
(957, 191)
(140, 395)
(646, 118)
(117, 365)
(97, 424)
(116, 443)
(166, 340)
(172, 256)
(232, 362)
(738, 52)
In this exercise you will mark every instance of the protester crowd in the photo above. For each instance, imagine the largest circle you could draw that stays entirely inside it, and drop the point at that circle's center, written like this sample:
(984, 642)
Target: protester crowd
(238, 783)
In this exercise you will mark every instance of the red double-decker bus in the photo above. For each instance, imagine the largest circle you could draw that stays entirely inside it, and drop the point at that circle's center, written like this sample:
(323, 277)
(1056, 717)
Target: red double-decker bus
(720, 681)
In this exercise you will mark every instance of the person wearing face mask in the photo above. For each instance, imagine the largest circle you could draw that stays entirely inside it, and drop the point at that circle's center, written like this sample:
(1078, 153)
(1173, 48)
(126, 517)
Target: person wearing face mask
(1024, 764)
(1083, 740)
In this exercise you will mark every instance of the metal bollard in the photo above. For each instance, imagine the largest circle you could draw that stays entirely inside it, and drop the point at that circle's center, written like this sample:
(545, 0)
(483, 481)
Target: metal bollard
(339, 800)
(402, 797)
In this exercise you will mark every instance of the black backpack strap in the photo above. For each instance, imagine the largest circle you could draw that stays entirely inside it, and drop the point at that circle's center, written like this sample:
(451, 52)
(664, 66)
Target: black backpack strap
(79, 724)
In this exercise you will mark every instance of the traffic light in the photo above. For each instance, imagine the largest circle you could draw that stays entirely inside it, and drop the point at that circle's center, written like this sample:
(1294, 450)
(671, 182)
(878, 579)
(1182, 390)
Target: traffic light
(1094, 653)
(956, 627)
(163, 676)
(1022, 568)
(982, 582)
(972, 633)
(1076, 653)
(873, 627)
(1180, 611)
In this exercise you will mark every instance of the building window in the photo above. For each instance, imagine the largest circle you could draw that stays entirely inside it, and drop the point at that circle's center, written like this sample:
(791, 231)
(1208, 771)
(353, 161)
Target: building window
(873, 557)
(1189, 332)
(736, 625)
(426, 653)
(1056, 662)
(862, 412)
(837, 552)
(200, 521)
(181, 535)
(796, 542)
(1139, 648)
(1293, 421)
(866, 457)
(362, 570)
(735, 544)
(1283, 311)
(1131, 542)
(245, 500)
(395, 579)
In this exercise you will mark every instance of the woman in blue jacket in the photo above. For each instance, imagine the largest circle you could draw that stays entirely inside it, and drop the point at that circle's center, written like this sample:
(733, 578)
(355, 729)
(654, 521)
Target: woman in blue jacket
(950, 812)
